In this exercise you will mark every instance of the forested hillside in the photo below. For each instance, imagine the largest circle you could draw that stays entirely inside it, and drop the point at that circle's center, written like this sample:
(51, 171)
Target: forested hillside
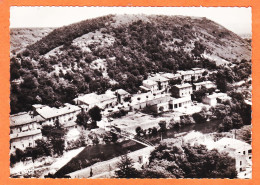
(119, 52)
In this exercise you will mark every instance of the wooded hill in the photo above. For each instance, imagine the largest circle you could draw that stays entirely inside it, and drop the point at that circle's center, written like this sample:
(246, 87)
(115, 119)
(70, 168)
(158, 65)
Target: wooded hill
(119, 52)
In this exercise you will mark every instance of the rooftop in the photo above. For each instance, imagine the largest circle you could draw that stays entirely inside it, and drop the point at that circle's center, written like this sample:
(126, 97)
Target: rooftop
(121, 92)
(197, 69)
(50, 112)
(158, 78)
(184, 85)
(217, 95)
(25, 134)
(23, 118)
(231, 143)
(204, 83)
(94, 98)
(70, 124)
(171, 75)
(189, 72)
(144, 88)
(149, 82)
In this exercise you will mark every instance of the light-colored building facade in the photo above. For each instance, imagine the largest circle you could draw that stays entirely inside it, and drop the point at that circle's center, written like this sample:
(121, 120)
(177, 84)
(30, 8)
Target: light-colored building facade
(182, 90)
(198, 73)
(241, 151)
(121, 94)
(162, 82)
(149, 85)
(213, 99)
(103, 101)
(63, 114)
(186, 75)
(25, 129)
(206, 84)
(23, 140)
(176, 103)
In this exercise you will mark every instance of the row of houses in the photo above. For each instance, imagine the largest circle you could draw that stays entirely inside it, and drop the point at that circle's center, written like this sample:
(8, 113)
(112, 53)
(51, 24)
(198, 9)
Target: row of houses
(160, 81)
(25, 127)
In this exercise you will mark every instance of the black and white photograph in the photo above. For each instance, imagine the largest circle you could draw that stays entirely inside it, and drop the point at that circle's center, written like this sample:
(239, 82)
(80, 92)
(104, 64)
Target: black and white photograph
(130, 92)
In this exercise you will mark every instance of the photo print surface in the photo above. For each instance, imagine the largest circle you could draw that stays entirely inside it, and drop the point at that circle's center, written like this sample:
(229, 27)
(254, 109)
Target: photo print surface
(130, 92)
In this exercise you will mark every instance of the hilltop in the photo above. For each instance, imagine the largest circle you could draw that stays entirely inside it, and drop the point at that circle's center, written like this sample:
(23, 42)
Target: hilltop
(119, 51)
(22, 37)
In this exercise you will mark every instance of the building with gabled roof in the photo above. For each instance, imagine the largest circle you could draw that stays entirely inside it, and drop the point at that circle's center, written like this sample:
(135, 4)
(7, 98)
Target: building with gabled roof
(63, 114)
(24, 130)
(106, 100)
(25, 139)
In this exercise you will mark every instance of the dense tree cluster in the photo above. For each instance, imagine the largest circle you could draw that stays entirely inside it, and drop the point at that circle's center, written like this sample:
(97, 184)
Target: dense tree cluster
(234, 114)
(171, 161)
(83, 118)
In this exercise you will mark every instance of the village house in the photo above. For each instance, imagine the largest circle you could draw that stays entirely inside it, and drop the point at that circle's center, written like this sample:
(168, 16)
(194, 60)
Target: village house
(215, 98)
(24, 130)
(197, 73)
(23, 140)
(162, 82)
(176, 103)
(140, 101)
(103, 101)
(182, 90)
(186, 75)
(149, 85)
(51, 114)
(121, 94)
(241, 151)
(206, 84)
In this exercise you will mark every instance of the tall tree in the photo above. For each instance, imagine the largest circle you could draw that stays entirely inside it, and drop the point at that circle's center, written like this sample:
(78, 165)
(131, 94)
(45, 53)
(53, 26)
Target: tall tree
(126, 169)
(95, 114)
(82, 119)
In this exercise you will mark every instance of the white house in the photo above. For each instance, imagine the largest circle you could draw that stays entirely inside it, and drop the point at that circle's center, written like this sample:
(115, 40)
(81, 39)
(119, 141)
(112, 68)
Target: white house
(197, 73)
(206, 84)
(63, 114)
(176, 103)
(241, 151)
(186, 75)
(182, 90)
(149, 85)
(213, 99)
(161, 81)
(24, 130)
(106, 100)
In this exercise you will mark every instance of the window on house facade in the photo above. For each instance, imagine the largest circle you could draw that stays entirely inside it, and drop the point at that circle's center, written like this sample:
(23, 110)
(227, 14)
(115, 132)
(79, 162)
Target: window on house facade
(249, 151)
(244, 152)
